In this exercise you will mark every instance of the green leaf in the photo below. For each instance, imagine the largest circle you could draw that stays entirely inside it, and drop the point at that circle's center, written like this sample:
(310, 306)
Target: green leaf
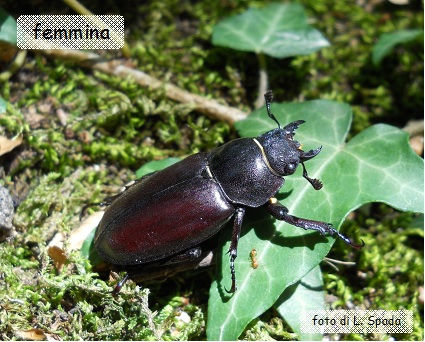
(3, 105)
(7, 27)
(376, 165)
(306, 294)
(155, 166)
(278, 30)
(89, 251)
(388, 41)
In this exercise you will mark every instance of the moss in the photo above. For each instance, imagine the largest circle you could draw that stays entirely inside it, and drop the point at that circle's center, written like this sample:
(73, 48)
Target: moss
(113, 126)
(388, 271)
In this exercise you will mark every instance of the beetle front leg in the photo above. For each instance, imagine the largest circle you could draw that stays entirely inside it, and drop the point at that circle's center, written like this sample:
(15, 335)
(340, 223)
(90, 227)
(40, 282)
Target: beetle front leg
(280, 212)
(233, 250)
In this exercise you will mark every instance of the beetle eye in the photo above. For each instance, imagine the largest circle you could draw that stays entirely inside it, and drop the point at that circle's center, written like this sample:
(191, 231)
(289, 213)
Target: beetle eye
(290, 168)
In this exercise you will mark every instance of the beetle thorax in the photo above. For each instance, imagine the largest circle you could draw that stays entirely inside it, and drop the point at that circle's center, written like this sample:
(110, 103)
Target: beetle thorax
(240, 169)
(281, 153)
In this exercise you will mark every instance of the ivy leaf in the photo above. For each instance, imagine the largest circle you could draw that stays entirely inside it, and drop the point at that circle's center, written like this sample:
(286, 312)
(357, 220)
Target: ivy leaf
(7, 28)
(278, 30)
(388, 41)
(155, 165)
(306, 294)
(3, 105)
(377, 165)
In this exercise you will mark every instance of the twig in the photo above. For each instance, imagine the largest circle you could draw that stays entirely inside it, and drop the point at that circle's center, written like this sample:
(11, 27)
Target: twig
(80, 9)
(210, 108)
(414, 127)
(332, 262)
(14, 66)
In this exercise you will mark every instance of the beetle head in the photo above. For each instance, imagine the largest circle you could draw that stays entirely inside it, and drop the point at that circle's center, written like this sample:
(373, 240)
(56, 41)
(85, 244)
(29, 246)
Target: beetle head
(282, 152)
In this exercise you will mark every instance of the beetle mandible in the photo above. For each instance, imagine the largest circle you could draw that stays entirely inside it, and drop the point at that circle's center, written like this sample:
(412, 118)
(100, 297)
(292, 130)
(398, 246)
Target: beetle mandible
(170, 212)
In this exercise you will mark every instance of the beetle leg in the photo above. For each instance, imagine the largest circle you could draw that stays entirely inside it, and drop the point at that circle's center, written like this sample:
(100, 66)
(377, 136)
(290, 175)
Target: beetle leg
(233, 250)
(280, 212)
(119, 285)
(186, 256)
(108, 200)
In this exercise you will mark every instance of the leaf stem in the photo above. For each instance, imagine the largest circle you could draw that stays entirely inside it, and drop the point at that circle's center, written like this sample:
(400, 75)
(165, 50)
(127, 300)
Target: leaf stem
(263, 81)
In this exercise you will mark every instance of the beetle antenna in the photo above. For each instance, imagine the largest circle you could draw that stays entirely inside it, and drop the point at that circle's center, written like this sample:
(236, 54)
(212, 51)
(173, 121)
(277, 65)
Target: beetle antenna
(317, 184)
(268, 96)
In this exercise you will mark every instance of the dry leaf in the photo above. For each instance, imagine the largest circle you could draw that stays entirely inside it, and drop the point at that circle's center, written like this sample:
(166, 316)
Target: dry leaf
(421, 295)
(58, 256)
(79, 235)
(417, 144)
(7, 145)
(32, 334)
(399, 2)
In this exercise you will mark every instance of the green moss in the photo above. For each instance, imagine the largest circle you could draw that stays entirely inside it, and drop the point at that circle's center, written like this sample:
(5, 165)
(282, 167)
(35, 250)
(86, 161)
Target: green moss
(389, 269)
(113, 126)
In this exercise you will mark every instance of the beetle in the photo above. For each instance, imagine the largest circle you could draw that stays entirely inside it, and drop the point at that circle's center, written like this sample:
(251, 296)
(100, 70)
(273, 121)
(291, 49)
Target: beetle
(168, 213)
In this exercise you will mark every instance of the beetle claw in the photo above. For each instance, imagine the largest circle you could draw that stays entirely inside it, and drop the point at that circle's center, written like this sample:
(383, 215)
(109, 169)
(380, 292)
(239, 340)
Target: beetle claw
(357, 246)
(348, 241)
(232, 289)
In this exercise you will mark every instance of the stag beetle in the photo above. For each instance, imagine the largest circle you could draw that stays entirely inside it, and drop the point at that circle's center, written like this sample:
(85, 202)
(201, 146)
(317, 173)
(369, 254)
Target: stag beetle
(168, 213)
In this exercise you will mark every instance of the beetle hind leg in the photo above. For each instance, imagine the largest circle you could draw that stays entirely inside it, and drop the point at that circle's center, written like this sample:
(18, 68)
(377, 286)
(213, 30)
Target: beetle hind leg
(186, 256)
(280, 212)
(233, 250)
